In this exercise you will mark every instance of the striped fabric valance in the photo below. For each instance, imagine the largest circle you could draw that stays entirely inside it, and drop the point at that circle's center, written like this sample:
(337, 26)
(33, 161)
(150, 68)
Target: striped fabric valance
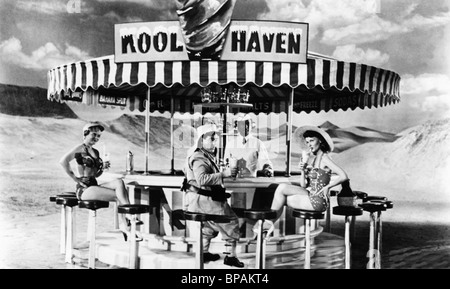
(321, 84)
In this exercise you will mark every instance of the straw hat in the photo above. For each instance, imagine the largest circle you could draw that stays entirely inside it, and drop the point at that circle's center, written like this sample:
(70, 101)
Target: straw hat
(298, 135)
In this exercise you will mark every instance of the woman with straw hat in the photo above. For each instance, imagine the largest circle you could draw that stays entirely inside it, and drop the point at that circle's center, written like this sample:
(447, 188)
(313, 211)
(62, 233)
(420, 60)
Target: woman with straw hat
(206, 194)
(316, 168)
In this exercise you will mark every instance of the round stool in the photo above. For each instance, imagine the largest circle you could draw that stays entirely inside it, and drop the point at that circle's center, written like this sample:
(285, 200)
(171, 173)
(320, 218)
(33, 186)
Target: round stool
(347, 212)
(67, 194)
(67, 224)
(361, 195)
(308, 216)
(131, 211)
(92, 206)
(260, 216)
(379, 225)
(63, 226)
(200, 218)
(374, 198)
(333, 193)
(373, 207)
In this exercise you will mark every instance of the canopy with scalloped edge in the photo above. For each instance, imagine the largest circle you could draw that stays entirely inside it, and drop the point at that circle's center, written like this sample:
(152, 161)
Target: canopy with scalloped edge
(322, 84)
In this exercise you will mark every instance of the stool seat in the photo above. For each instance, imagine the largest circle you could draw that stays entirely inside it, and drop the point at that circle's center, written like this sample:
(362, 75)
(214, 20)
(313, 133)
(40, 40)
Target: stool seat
(334, 193)
(373, 207)
(375, 198)
(389, 204)
(134, 209)
(93, 205)
(260, 214)
(304, 214)
(347, 211)
(67, 201)
(53, 198)
(361, 195)
(201, 217)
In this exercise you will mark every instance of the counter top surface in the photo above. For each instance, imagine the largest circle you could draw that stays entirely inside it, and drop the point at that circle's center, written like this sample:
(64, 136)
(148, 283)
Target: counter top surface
(171, 181)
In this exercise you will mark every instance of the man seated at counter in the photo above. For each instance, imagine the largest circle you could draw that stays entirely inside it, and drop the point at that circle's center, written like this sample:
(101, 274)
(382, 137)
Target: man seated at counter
(249, 151)
(205, 193)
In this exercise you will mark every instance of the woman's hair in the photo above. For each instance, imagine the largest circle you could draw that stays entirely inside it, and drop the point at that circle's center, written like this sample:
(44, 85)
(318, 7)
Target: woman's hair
(323, 143)
(93, 129)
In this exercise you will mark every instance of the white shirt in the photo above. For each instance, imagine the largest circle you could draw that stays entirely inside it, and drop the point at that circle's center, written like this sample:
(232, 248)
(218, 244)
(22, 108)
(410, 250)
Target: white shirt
(251, 156)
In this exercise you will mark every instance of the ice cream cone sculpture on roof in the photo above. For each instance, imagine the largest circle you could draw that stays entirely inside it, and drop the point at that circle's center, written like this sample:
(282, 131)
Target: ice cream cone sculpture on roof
(204, 25)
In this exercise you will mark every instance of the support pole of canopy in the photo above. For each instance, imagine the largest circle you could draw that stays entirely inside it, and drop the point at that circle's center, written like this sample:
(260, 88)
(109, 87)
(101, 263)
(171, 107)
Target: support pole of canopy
(290, 115)
(225, 110)
(172, 142)
(147, 131)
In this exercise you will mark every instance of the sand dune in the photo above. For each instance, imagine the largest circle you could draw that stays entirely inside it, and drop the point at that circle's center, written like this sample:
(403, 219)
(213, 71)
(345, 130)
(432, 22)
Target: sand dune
(414, 167)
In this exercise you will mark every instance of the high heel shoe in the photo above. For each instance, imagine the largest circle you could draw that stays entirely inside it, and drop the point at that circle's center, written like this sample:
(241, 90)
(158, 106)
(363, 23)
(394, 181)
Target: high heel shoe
(125, 234)
(268, 228)
(138, 222)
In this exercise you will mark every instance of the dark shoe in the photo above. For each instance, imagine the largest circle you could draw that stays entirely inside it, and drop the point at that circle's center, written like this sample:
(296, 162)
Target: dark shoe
(138, 222)
(207, 257)
(233, 261)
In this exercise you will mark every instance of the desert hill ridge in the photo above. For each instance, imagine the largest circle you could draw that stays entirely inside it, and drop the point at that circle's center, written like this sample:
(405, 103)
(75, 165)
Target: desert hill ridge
(415, 166)
(328, 126)
(31, 101)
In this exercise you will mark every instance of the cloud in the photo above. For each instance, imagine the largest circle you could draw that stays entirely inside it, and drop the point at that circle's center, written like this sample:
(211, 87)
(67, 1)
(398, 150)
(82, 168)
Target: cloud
(427, 83)
(375, 28)
(439, 103)
(120, 19)
(53, 7)
(354, 22)
(429, 92)
(165, 8)
(321, 15)
(153, 4)
(43, 58)
(44, 7)
(351, 53)
(124, 11)
(288, 10)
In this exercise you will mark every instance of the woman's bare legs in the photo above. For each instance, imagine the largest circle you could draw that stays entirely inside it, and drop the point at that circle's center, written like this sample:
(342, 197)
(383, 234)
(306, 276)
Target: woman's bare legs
(114, 191)
(291, 195)
(121, 191)
(286, 194)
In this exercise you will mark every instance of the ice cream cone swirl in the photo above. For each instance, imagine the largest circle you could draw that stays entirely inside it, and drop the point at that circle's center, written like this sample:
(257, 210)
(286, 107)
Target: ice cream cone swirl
(204, 24)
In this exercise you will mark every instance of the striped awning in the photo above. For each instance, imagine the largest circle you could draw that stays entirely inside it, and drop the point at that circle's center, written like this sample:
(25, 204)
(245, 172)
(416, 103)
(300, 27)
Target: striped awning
(322, 84)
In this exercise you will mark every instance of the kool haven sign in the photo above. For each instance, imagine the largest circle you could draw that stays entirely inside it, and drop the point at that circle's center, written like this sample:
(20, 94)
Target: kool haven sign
(271, 41)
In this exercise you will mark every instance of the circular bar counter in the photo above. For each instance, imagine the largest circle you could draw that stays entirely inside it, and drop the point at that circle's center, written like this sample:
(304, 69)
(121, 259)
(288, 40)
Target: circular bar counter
(167, 243)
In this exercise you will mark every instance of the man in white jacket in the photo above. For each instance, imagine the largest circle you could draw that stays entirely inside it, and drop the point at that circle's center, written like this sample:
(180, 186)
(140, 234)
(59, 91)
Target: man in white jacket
(250, 152)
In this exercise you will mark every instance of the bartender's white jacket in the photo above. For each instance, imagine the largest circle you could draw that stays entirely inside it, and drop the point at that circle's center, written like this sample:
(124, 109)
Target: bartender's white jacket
(251, 156)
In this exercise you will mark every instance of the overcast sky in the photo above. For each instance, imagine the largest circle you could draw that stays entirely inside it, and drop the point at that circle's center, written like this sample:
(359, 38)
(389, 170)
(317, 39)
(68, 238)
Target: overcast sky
(410, 37)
